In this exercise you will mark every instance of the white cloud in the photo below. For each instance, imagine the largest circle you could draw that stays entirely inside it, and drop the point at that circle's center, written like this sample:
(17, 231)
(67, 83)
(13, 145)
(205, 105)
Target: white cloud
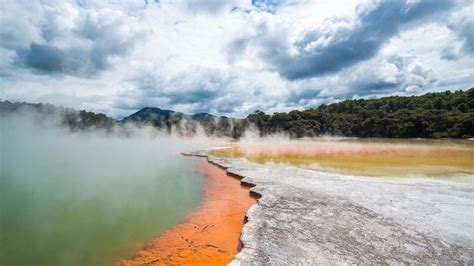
(216, 56)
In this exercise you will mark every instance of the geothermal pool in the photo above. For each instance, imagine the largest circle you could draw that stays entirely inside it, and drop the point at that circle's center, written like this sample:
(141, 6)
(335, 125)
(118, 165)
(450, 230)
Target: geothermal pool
(91, 199)
(447, 159)
(88, 200)
(211, 234)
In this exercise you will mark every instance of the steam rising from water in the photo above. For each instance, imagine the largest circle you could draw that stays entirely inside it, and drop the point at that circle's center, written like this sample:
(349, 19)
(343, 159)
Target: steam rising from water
(372, 157)
(92, 198)
(88, 198)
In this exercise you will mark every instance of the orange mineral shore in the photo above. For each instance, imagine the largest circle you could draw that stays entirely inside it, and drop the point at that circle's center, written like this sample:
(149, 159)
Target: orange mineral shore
(210, 235)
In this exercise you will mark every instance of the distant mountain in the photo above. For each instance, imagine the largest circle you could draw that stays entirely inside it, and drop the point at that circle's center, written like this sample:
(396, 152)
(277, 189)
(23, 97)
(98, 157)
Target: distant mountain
(149, 114)
(184, 124)
(432, 115)
(203, 117)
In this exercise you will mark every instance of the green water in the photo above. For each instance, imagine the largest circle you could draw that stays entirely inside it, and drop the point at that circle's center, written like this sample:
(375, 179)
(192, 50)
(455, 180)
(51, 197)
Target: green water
(88, 200)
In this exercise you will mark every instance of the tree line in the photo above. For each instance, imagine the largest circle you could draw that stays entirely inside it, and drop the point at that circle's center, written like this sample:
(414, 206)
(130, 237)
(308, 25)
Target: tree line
(432, 115)
(72, 119)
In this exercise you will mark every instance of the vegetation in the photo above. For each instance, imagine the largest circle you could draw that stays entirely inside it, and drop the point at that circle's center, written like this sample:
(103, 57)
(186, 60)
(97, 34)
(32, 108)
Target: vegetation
(433, 115)
(73, 119)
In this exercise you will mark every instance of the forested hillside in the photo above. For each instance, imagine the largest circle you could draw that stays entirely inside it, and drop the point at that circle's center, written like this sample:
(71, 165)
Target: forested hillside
(433, 115)
(73, 119)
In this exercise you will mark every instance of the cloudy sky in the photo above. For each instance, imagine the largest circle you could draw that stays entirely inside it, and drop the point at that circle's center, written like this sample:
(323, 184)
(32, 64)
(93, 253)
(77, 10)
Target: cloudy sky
(230, 57)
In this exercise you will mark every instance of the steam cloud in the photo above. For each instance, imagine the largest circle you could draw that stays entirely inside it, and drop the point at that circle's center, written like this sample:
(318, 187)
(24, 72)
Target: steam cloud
(89, 198)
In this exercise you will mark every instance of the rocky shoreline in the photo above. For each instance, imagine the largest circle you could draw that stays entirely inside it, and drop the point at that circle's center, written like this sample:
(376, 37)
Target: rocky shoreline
(210, 234)
(303, 216)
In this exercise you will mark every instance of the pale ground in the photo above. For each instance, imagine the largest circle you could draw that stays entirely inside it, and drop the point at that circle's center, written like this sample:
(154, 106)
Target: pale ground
(305, 216)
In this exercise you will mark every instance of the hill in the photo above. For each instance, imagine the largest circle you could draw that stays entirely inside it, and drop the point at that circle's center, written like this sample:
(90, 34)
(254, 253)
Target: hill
(432, 115)
(149, 114)
(73, 119)
(187, 125)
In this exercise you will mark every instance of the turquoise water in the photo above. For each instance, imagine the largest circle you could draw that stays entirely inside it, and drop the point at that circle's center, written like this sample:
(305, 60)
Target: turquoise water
(88, 200)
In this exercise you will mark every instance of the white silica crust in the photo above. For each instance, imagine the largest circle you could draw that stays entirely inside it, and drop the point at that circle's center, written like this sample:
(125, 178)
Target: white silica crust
(310, 217)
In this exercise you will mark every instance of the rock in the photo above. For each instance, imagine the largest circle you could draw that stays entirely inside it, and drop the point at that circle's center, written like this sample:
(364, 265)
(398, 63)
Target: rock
(309, 217)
